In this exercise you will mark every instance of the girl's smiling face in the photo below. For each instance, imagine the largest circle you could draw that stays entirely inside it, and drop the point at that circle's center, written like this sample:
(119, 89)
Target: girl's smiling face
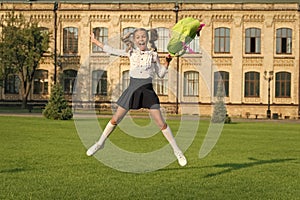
(140, 38)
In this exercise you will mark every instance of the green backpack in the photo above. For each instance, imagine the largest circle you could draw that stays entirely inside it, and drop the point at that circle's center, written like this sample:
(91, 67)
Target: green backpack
(183, 33)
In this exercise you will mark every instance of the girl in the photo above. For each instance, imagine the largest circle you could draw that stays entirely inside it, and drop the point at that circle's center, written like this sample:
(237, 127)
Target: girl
(144, 63)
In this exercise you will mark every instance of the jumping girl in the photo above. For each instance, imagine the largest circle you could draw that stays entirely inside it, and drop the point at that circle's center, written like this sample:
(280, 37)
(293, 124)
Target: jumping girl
(144, 63)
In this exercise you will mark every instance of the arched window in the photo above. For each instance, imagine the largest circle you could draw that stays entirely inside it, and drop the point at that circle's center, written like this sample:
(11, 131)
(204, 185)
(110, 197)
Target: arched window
(222, 40)
(101, 34)
(70, 40)
(69, 78)
(221, 81)
(252, 84)
(40, 82)
(253, 40)
(191, 83)
(284, 41)
(283, 85)
(99, 82)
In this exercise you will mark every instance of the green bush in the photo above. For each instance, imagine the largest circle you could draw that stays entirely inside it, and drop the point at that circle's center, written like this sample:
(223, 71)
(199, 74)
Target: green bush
(57, 108)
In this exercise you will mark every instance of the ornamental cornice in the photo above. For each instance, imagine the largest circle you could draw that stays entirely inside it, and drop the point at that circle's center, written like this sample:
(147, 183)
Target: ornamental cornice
(222, 18)
(70, 17)
(130, 18)
(284, 18)
(102, 18)
(41, 17)
(160, 17)
(199, 17)
(253, 18)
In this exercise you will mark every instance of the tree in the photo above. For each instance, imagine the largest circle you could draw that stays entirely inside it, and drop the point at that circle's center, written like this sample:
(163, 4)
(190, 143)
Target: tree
(22, 46)
(57, 106)
(220, 112)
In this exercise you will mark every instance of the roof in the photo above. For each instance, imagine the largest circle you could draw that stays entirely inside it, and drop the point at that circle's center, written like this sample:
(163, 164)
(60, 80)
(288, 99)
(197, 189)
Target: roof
(151, 1)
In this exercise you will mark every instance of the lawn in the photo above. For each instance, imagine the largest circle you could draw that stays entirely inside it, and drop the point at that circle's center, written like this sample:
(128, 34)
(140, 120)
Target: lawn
(44, 159)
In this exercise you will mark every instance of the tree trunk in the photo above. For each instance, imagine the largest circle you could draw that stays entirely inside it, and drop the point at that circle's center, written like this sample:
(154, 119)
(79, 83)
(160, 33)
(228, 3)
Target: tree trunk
(24, 102)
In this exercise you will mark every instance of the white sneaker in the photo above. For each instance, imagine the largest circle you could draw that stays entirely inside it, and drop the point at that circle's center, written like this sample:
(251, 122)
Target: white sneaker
(93, 149)
(181, 158)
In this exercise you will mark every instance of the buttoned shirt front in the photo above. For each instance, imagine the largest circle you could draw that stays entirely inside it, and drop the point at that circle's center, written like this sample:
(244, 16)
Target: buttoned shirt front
(143, 64)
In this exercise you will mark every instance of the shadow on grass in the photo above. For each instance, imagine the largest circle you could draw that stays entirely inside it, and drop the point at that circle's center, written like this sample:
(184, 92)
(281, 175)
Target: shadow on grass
(230, 167)
(13, 170)
(237, 166)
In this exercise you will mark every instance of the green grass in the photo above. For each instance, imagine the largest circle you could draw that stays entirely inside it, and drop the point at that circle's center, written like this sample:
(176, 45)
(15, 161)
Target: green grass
(44, 159)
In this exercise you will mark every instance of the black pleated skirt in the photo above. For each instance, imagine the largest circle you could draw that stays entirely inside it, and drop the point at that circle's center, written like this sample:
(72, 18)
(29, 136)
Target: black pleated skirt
(139, 94)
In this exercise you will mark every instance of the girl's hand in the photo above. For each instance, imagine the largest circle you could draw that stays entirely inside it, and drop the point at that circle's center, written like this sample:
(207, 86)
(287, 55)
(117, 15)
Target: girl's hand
(168, 58)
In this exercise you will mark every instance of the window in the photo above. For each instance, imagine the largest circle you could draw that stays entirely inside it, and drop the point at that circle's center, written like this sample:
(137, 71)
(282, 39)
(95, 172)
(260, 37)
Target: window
(70, 43)
(221, 81)
(194, 45)
(125, 31)
(253, 40)
(284, 41)
(283, 85)
(101, 34)
(12, 84)
(252, 84)
(69, 78)
(40, 83)
(163, 38)
(222, 40)
(161, 85)
(99, 82)
(125, 80)
(191, 83)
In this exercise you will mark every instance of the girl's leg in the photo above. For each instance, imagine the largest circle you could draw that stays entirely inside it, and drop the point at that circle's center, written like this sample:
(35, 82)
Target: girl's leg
(158, 118)
(117, 117)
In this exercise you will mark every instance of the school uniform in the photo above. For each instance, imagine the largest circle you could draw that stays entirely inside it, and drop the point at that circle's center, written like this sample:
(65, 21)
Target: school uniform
(143, 66)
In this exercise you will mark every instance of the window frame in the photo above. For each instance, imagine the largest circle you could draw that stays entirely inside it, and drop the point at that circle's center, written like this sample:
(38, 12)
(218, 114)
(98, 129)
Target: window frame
(253, 40)
(222, 40)
(191, 83)
(252, 84)
(283, 84)
(70, 45)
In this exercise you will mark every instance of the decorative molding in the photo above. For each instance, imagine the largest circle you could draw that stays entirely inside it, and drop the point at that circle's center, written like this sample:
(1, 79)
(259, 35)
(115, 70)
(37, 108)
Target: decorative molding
(252, 100)
(238, 20)
(222, 18)
(253, 18)
(41, 17)
(252, 62)
(101, 18)
(222, 62)
(284, 62)
(199, 17)
(285, 18)
(163, 18)
(269, 20)
(70, 17)
(131, 18)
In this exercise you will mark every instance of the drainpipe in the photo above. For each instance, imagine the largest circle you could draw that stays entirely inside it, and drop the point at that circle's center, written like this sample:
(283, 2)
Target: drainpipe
(55, 41)
(176, 10)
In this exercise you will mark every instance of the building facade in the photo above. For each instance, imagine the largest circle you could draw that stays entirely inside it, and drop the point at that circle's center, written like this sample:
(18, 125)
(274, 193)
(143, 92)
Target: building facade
(252, 49)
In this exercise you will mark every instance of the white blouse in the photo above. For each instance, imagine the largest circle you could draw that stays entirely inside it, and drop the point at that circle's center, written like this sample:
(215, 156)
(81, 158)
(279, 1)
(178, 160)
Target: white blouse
(143, 64)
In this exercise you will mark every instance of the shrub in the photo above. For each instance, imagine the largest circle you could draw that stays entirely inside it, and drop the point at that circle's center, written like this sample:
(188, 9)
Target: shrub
(57, 107)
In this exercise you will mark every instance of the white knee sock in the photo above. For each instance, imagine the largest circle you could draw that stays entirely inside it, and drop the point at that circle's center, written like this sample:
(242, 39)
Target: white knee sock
(169, 136)
(107, 131)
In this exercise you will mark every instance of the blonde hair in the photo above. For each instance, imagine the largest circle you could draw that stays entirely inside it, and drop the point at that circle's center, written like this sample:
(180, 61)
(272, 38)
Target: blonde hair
(127, 39)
